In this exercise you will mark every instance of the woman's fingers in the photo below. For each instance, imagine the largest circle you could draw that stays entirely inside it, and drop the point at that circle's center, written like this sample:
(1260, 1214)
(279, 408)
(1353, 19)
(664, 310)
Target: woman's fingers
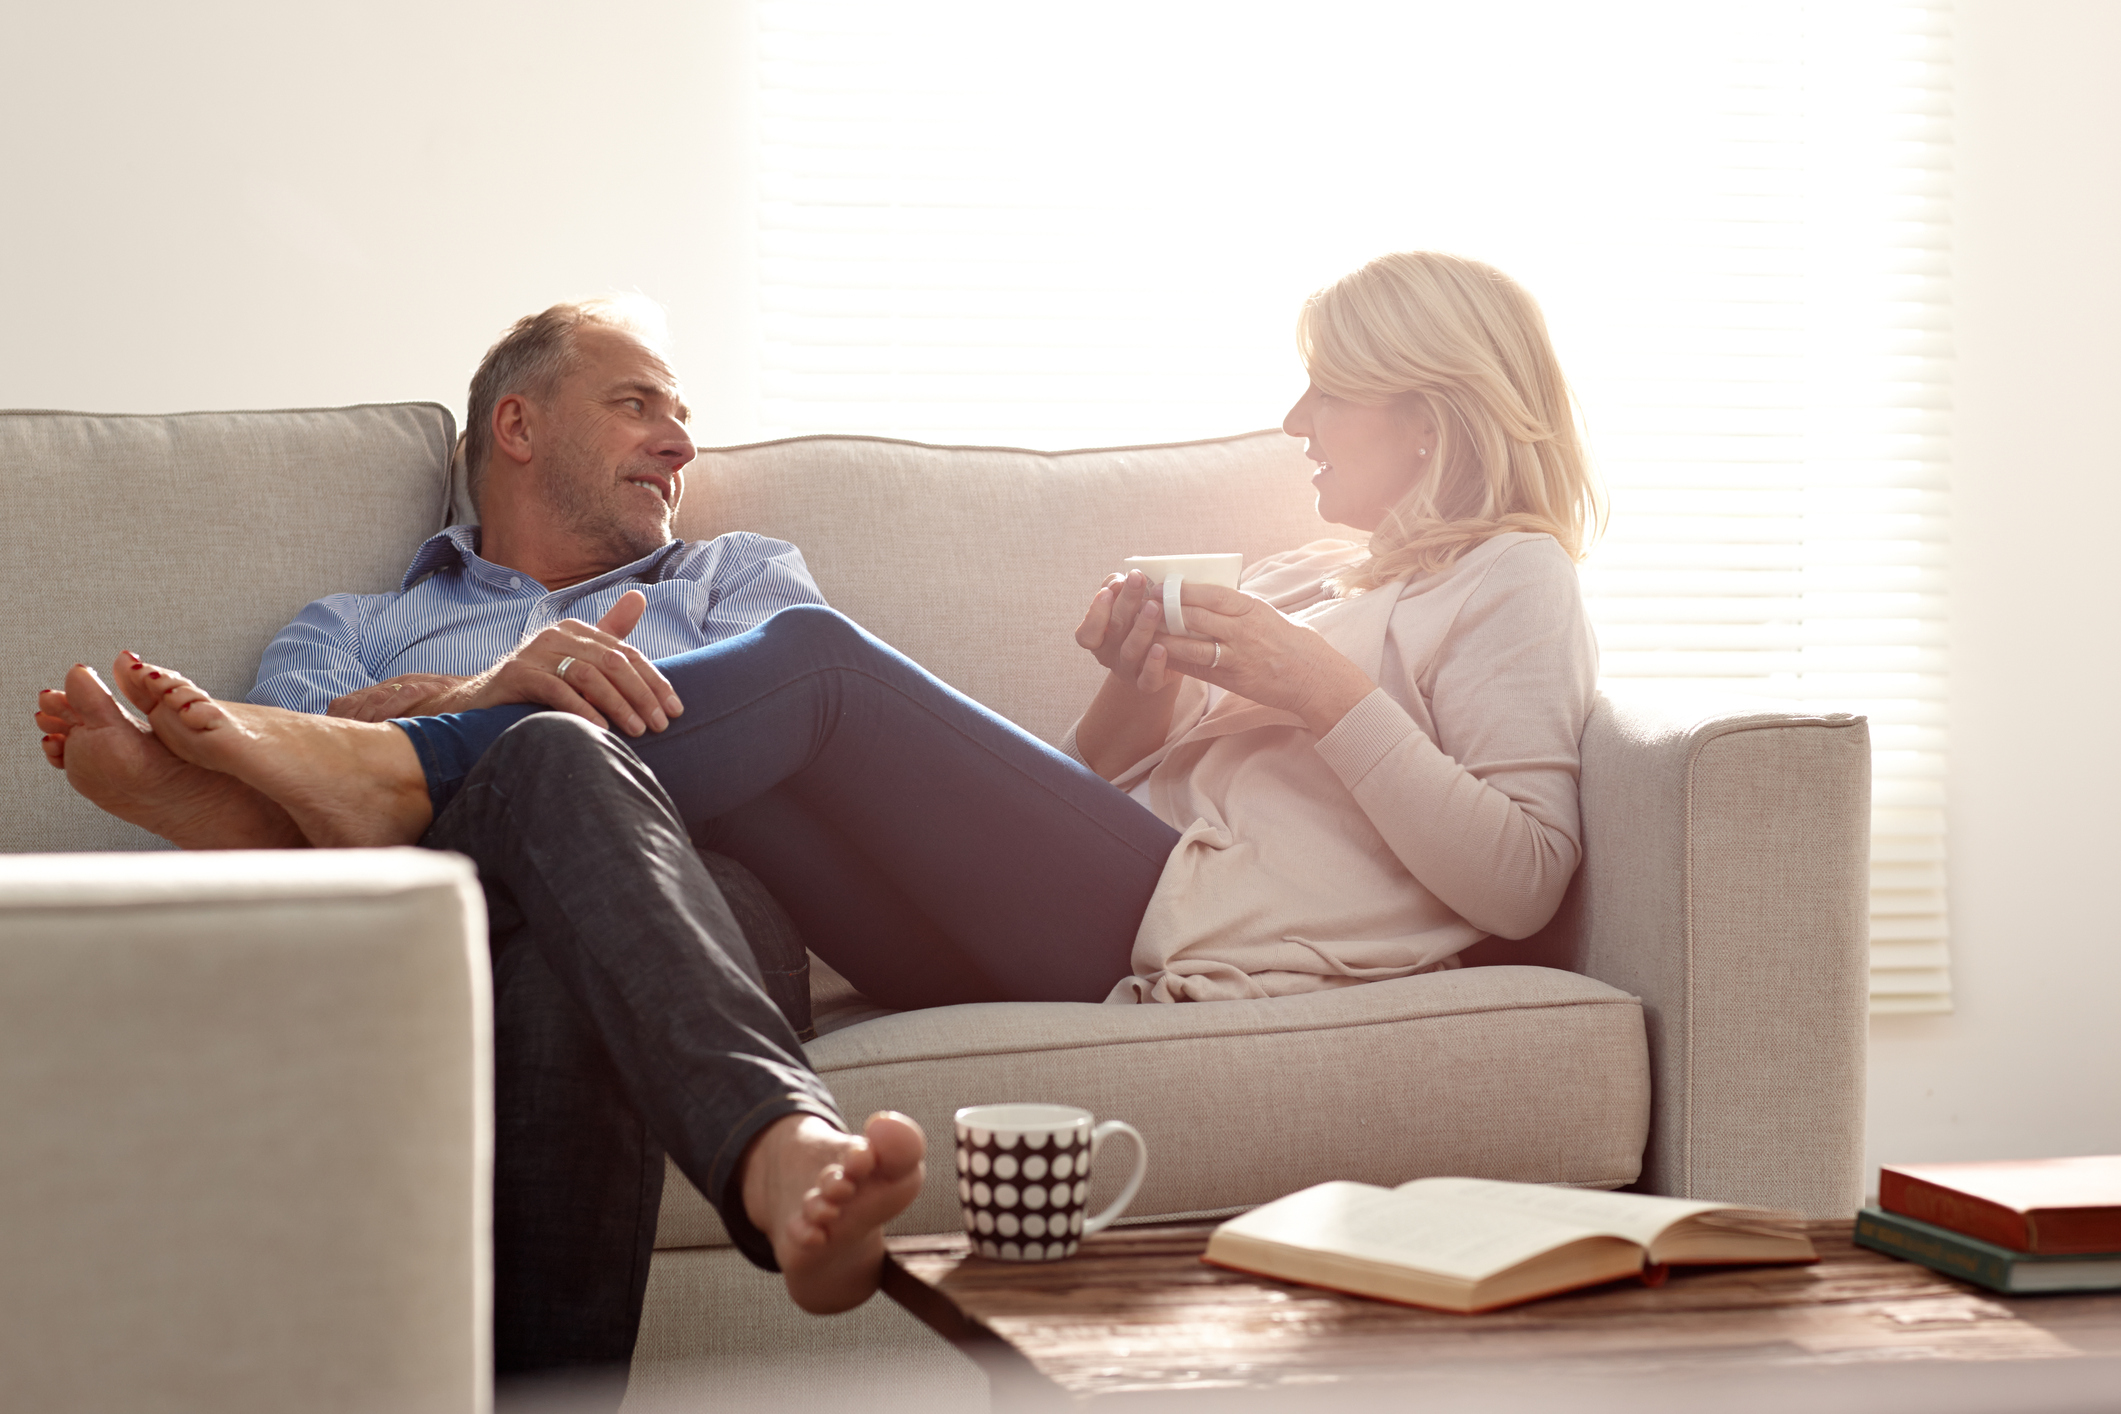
(1097, 619)
(1151, 677)
(1216, 597)
(1188, 654)
(1140, 635)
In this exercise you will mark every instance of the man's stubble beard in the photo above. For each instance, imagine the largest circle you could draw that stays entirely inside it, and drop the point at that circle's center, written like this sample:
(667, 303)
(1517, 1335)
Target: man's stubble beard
(586, 502)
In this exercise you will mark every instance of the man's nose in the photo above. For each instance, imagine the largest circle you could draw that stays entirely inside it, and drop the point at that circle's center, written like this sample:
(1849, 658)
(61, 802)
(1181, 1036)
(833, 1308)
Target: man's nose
(675, 445)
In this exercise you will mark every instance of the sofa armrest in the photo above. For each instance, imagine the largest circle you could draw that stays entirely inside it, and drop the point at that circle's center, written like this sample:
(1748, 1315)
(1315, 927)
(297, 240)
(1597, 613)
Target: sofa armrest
(1725, 882)
(246, 1101)
(1727, 885)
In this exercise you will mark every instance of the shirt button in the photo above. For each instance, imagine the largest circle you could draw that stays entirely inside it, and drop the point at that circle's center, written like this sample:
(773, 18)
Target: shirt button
(515, 582)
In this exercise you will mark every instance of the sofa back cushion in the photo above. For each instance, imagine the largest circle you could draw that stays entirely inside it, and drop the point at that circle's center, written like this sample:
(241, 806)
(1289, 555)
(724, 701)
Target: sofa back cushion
(192, 538)
(978, 562)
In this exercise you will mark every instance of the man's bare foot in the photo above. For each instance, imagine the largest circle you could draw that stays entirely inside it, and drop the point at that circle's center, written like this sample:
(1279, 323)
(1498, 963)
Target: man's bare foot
(346, 784)
(822, 1199)
(126, 771)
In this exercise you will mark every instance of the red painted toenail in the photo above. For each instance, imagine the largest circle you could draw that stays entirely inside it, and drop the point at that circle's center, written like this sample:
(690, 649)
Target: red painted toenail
(154, 675)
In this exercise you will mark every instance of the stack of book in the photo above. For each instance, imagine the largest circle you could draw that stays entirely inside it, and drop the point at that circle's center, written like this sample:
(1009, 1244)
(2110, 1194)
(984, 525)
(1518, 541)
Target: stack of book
(2018, 1225)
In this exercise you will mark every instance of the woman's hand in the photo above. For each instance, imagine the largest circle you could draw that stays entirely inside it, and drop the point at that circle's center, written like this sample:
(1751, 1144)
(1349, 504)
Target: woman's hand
(1256, 652)
(1120, 631)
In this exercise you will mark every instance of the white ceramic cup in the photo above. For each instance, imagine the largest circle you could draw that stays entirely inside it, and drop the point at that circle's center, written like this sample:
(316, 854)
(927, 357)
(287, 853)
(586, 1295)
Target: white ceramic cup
(1172, 571)
(1023, 1175)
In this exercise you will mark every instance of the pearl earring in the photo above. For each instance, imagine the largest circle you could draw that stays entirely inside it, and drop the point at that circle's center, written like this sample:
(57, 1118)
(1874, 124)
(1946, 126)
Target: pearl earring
(1421, 452)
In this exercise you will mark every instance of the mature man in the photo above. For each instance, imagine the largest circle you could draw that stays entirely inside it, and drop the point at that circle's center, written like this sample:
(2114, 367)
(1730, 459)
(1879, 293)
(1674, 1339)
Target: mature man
(629, 1011)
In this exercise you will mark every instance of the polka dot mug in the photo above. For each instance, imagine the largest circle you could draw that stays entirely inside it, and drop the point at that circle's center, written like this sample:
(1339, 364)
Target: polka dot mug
(1023, 1175)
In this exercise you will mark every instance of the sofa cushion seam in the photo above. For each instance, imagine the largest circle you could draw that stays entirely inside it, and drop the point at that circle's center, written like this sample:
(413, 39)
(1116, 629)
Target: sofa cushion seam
(989, 1054)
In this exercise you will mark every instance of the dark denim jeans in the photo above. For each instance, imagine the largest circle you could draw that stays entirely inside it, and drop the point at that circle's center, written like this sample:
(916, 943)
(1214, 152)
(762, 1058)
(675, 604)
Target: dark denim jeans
(629, 1018)
(929, 849)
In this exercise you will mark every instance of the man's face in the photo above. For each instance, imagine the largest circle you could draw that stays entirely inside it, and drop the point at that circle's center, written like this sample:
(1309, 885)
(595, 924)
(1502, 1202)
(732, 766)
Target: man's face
(611, 460)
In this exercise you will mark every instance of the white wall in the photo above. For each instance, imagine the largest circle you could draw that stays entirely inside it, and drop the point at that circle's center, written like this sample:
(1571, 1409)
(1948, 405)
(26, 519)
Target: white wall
(2031, 1060)
(236, 203)
(256, 205)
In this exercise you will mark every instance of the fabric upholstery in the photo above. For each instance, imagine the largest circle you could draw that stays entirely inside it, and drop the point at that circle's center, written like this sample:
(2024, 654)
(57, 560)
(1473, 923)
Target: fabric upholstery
(203, 534)
(1725, 882)
(245, 1100)
(977, 562)
(1723, 885)
(1524, 1073)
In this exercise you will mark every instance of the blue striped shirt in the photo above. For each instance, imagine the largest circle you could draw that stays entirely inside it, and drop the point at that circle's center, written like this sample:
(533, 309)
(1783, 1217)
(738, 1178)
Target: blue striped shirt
(458, 614)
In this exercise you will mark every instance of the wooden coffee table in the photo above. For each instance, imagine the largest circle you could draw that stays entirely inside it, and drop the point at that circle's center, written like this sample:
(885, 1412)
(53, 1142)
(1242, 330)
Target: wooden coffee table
(1136, 1310)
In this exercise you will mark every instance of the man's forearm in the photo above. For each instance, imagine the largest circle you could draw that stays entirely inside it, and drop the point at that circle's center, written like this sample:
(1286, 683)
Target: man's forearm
(411, 695)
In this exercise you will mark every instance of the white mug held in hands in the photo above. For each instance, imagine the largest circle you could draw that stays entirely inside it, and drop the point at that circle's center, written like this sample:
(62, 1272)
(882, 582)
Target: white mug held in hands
(1172, 571)
(1023, 1175)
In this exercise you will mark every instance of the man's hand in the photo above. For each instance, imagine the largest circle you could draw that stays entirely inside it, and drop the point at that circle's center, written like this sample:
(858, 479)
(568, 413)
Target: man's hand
(607, 680)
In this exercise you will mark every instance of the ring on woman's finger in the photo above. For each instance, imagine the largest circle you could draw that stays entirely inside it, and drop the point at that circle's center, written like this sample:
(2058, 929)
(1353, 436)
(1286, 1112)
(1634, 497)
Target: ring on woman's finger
(1216, 661)
(561, 671)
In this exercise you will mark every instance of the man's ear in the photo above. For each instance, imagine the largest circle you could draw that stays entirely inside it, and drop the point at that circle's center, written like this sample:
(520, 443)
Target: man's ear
(511, 429)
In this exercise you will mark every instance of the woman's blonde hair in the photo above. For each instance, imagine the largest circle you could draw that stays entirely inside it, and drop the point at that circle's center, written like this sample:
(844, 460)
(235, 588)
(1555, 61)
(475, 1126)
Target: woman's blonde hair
(1462, 344)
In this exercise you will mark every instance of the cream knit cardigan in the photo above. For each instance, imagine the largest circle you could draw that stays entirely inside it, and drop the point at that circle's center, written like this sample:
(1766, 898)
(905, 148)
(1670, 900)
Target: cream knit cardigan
(1440, 810)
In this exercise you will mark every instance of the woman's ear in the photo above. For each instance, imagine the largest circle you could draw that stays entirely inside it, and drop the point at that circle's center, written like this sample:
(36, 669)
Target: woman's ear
(1421, 436)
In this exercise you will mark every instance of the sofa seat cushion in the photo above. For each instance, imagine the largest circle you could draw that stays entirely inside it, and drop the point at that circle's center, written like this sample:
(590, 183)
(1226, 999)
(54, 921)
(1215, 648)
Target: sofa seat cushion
(1525, 1073)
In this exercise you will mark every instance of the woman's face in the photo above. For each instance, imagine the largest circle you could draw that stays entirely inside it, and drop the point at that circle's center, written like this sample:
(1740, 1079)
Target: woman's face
(1368, 456)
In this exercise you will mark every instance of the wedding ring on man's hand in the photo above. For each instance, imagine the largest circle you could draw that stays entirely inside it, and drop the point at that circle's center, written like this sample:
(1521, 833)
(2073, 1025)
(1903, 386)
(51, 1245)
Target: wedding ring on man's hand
(1216, 661)
(561, 671)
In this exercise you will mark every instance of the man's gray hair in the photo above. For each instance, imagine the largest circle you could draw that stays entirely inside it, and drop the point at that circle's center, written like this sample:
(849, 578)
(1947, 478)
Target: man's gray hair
(531, 359)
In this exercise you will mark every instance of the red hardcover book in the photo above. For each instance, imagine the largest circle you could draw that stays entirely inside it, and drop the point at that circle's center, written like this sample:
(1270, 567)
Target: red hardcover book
(2051, 1206)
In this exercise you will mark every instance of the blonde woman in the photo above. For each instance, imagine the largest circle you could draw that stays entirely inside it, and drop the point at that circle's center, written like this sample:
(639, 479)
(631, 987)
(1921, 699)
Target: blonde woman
(1373, 762)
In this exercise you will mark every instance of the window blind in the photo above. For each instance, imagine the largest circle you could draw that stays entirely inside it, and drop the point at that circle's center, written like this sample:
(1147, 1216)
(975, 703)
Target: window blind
(1094, 226)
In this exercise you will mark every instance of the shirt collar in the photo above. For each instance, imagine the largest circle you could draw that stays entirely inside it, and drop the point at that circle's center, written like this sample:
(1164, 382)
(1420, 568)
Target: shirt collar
(458, 546)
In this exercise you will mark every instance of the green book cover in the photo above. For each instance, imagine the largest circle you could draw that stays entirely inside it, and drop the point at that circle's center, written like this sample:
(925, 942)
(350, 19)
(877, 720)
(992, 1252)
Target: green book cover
(1984, 1263)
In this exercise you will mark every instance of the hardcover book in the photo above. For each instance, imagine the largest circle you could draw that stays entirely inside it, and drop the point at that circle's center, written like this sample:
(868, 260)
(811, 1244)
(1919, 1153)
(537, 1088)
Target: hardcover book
(1470, 1244)
(2056, 1207)
(1984, 1263)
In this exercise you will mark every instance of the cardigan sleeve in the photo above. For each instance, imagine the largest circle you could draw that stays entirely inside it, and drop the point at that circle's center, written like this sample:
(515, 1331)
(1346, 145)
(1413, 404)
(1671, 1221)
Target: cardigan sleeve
(1485, 813)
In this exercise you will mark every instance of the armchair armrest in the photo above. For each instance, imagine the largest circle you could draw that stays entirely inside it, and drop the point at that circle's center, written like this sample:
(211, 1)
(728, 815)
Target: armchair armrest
(246, 1108)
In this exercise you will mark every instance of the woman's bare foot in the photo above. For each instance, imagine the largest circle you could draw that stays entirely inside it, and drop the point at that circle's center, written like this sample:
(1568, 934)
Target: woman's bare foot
(346, 784)
(120, 768)
(822, 1199)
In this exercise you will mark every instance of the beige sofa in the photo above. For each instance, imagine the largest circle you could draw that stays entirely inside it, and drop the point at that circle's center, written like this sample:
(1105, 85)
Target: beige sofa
(279, 1059)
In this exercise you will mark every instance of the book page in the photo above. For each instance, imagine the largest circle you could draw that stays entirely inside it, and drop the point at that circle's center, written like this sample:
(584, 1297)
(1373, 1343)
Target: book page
(1638, 1217)
(1468, 1241)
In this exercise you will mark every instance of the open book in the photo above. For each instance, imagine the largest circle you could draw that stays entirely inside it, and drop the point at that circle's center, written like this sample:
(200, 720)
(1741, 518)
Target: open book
(1473, 1244)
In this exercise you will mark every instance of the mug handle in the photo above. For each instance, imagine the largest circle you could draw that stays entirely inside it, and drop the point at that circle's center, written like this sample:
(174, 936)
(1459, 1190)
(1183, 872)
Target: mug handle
(1175, 623)
(1141, 1169)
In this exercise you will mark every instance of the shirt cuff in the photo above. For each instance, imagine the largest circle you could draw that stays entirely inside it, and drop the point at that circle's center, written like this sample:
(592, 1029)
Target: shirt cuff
(1066, 745)
(1361, 739)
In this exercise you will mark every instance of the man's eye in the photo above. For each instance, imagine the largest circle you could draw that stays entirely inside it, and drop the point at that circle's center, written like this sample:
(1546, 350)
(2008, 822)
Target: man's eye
(636, 404)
